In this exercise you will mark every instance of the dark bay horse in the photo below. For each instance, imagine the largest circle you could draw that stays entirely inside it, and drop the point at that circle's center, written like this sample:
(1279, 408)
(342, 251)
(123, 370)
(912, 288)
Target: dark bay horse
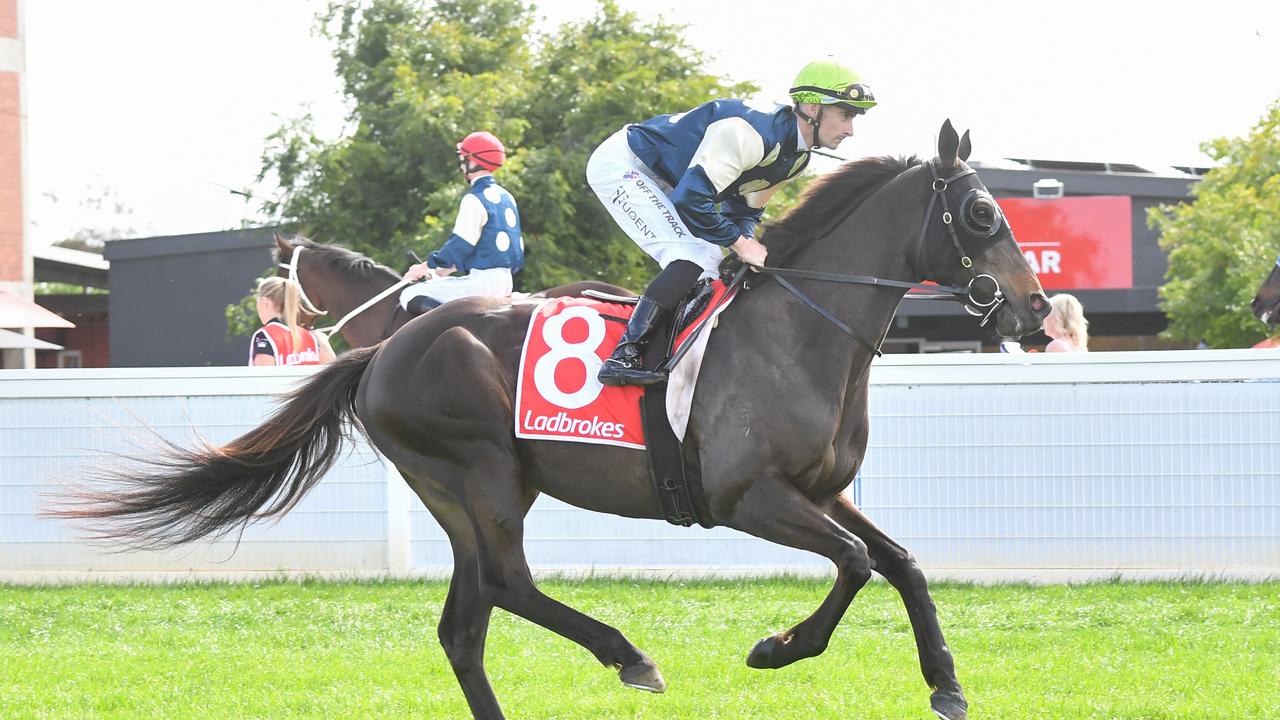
(1266, 303)
(336, 281)
(776, 434)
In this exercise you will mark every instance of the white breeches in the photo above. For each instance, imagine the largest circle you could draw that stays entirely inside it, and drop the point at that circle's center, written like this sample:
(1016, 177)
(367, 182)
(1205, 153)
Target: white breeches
(641, 205)
(494, 282)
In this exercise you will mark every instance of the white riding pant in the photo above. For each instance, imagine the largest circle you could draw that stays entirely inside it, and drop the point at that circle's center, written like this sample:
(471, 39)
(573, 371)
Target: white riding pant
(493, 282)
(641, 205)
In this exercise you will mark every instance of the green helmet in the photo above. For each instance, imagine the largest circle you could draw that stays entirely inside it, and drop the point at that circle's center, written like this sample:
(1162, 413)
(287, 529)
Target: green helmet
(827, 82)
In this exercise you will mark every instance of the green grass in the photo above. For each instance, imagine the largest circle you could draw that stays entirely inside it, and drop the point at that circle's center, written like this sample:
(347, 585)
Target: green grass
(369, 649)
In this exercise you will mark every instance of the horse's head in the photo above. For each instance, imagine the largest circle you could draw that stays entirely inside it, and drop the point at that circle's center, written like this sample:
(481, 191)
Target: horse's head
(289, 265)
(1266, 303)
(968, 243)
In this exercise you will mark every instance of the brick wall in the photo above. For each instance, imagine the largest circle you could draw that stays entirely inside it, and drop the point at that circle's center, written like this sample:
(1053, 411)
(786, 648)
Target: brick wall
(9, 18)
(11, 261)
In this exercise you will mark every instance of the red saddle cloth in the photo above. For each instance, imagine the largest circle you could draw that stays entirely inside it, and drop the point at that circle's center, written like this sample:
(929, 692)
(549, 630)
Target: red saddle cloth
(557, 394)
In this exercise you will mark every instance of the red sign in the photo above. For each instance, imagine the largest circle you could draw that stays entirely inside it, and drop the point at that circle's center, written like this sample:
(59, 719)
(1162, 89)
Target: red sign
(557, 394)
(1075, 242)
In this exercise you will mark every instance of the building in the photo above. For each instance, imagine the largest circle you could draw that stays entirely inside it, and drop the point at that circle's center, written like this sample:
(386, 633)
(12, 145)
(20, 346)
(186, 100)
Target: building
(15, 258)
(169, 295)
(1083, 228)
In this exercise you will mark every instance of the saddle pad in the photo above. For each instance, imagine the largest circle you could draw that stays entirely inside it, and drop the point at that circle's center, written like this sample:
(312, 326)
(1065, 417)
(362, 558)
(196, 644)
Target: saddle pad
(557, 394)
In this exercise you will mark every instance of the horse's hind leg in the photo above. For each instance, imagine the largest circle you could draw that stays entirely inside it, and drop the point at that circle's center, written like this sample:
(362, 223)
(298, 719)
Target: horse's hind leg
(900, 569)
(464, 622)
(777, 512)
(505, 581)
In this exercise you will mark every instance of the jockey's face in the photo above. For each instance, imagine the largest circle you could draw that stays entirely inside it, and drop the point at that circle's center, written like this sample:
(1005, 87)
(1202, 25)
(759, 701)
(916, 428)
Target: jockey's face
(837, 124)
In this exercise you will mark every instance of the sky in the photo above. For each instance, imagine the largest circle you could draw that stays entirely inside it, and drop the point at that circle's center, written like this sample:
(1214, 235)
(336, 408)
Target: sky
(143, 115)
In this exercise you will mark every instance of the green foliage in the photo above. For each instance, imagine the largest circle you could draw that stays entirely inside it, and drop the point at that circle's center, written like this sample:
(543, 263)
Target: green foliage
(419, 77)
(242, 318)
(1222, 245)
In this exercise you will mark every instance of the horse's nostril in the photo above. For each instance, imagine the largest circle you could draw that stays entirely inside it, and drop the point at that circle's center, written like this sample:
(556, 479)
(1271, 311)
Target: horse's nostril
(1040, 305)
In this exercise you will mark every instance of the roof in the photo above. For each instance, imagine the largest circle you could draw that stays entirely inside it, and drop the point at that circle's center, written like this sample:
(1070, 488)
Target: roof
(169, 245)
(65, 265)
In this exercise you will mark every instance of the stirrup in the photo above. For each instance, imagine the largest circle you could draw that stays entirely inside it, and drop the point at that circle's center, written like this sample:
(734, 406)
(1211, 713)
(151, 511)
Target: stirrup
(617, 372)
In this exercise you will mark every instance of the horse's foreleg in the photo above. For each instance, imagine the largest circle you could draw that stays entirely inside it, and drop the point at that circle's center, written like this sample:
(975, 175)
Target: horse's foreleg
(777, 512)
(492, 500)
(900, 569)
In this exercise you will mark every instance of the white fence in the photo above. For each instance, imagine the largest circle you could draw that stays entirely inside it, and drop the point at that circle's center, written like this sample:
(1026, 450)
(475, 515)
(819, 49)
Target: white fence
(985, 466)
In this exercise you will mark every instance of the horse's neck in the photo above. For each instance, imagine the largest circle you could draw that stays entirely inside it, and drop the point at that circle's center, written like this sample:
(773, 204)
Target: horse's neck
(345, 294)
(878, 239)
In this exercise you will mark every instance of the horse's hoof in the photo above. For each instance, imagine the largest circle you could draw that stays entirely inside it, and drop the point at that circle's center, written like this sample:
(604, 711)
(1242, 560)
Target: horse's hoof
(643, 675)
(949, 705)
(766, 655)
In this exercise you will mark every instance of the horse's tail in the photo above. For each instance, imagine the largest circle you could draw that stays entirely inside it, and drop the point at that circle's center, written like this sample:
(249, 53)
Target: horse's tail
(187, 494)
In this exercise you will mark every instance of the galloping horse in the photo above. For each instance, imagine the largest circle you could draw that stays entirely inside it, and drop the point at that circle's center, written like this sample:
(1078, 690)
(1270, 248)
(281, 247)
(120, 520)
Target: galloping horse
(1266, 302)
(775, 434)
(337, 281)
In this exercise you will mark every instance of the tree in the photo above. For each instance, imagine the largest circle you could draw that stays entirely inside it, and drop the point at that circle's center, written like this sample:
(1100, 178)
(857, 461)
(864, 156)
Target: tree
(418, 78)
(1223, 243)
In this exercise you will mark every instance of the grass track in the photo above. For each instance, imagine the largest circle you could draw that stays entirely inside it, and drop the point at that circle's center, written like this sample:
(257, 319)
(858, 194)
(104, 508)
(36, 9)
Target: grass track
(368, 649)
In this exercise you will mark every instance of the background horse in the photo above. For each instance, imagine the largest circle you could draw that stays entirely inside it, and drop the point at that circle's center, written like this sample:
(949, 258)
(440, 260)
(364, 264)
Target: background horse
(1266, 303)
(776, 435)
(336, 280)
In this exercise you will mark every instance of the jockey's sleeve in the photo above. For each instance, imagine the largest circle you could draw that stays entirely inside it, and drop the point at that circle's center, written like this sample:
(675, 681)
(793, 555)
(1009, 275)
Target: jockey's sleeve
(466, 233)
(742, 214)
(729, 148)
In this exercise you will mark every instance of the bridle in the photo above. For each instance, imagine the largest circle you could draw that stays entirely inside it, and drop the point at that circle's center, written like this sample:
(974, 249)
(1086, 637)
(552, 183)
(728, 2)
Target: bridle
(292, 267)
(977, 300)
(310, 307)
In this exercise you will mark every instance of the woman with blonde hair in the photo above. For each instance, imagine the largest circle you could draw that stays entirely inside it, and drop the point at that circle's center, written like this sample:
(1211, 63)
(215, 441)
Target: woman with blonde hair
(1066, 325)
(282, 340)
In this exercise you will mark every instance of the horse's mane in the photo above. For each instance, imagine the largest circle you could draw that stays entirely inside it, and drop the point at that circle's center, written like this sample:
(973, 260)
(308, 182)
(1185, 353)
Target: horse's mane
(830, 199)
(347, 262)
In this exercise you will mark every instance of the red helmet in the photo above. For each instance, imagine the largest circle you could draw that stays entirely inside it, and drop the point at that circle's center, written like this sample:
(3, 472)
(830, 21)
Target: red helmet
(483, 149)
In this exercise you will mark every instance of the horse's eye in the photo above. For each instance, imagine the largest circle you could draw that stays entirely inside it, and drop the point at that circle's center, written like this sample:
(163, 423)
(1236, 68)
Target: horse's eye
(983, 214)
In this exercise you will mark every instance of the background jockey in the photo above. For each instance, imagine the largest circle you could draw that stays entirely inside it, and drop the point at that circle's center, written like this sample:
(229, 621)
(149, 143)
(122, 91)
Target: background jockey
(282, 340)
(685, 186)
(486, 243)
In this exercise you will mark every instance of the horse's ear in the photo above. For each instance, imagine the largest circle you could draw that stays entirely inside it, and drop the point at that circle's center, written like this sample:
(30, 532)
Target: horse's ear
(286, 250)
(966, 147)
(948, 142)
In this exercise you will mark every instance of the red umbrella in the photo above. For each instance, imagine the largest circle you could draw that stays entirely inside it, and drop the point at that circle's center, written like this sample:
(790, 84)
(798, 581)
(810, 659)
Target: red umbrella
(18, 313)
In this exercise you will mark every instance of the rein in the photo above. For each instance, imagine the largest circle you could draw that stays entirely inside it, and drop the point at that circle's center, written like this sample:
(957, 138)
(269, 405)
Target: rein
(984, 308)
(292, 267)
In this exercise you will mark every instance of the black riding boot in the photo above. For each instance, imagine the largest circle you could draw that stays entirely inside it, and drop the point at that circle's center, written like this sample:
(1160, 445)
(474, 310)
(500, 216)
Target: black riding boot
(421, 304)
(626, 365)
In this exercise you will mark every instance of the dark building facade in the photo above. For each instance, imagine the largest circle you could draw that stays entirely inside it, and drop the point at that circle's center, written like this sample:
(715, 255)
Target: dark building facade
(169, 296)
(1092, 242)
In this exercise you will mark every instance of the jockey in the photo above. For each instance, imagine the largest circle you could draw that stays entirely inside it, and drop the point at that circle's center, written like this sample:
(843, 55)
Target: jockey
(686, 186)
(486, 243)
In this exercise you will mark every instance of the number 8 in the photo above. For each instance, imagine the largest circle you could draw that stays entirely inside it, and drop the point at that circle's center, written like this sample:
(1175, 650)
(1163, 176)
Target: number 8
(544, 371)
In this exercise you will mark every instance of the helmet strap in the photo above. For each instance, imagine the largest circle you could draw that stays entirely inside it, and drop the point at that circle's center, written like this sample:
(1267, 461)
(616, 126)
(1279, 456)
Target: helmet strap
(815, 122)
(470, 167)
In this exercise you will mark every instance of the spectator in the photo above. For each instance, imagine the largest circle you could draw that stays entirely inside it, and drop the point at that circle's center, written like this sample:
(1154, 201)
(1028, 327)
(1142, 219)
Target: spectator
(282, 340)
(1066, 325)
